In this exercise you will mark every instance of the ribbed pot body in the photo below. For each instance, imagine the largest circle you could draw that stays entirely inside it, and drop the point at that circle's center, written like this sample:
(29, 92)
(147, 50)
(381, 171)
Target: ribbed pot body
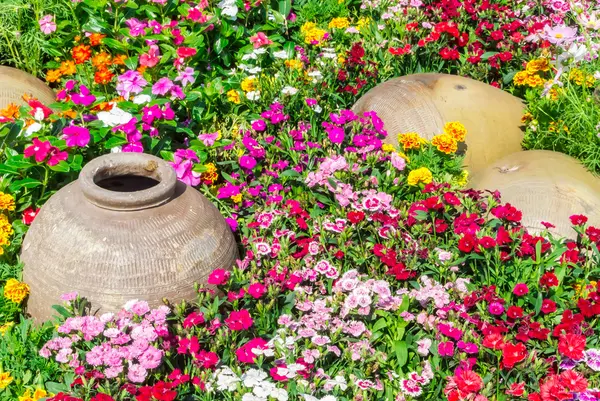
(112, 256)
(15, 83)
(423, 103)
(545, 186)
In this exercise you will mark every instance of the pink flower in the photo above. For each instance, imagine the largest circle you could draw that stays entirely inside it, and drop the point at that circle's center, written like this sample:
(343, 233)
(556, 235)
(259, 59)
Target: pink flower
(245, 353)
(84, 98)
(218, 277)
(398, 161)
(69, 296)
(29, 215)
(136, 27)
(186, 76)
(162, 86)
(43, 150)
(247, 162)
(208, 139)
(136, 373)
(193, 319)
(257, 290)
(130, 82)
(239, 320)
(496, 308)
(47, 24)
(446, 348)
(183, 163)
(76, 136)
(520, 289)
(423, 346)
(151, 58)
(260, 39)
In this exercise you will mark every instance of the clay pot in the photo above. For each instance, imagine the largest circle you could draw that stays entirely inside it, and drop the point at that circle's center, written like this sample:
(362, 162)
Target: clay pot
(126, 229)
(423, 103)
(545, 186)
(16, 83)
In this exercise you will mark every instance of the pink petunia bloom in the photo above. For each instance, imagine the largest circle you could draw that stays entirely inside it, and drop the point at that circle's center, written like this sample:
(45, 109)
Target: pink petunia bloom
(76, 136)
(186, 76)
(151, 58)
(260, 39)
(47, 24)
(130, 82)
(162, 86)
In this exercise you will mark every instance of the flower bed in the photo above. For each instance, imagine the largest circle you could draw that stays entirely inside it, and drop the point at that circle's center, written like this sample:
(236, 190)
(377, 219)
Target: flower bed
(367, 272)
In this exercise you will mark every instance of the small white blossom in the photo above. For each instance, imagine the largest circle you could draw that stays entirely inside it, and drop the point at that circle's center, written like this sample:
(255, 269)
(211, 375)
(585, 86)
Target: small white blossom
(253, 95)
(32, 129)
(142, 99)
(280, 54)
(289, 90)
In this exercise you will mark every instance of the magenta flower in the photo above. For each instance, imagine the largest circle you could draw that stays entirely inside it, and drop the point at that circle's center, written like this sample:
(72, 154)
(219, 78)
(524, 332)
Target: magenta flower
(76, 136)
(336, 134)
(260, 39)
(47, 24)
(162, 86)
(496, 308)
(259, 125)
(84, 98)
(136, 27)
(177, 92)
(520, 289)
(130, 82)
(183, 163)
(247, 162)
(446, 348)
(38, 149)
(227, 191)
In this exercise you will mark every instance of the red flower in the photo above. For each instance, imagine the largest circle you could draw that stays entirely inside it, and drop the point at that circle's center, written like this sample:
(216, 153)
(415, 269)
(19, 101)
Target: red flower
(548, 306)
(218, 277)
(578, 219)
(355, 217)
(572, 346)
(206, 359)
(257, 290)
(451, 199)
(276, 376)
(468, 381)
(239, 320)
(516, 389)
(467, 243)
(493, 341)
(514, 312)
(29, 215)
(102, 397)
(193, 319)
(573, 381)
(449, 54)
(520, 289)
(162, 391)
(185, 52)
(487, 242)
(513, 354)
(244, 354)
(553, 390)
(549, 279)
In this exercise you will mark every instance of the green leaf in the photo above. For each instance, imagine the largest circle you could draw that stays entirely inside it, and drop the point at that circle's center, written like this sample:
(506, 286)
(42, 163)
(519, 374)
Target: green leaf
(538, 303)
(114, 141)
(24, 183)
(290, 173)
(62, 167)
(4, 169)
(401, 352)
(114, 44)
(285, 7)
(61, 309)
(132, 62)
(380, 324)
(220, 44)
(487, 55)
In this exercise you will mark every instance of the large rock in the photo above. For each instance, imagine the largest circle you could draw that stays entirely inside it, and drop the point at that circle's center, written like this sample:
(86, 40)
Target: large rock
(16, 83)
(423, 103)
(126, 229)
(545, 186)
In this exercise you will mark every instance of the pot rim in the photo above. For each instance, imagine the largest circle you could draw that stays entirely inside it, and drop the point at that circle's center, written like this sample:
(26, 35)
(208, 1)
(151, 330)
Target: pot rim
(120, 164)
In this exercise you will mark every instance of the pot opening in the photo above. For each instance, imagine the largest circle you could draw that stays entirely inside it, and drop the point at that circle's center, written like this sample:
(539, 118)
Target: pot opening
(126, 183)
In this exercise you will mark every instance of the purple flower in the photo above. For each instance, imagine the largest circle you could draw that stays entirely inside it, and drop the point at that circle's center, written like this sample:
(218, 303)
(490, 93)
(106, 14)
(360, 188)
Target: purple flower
(186, 76)
(336, 134)
(177, 92)
(183, 163)
(76, 136)
(593, 359)
(162, 86)
(259, 125)
(136, 27)
(247, 162)
(311, 102)
(130, 82)
(233, 224)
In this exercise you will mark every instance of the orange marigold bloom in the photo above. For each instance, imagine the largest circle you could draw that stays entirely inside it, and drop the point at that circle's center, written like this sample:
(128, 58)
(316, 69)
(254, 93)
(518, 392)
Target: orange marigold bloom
(410, 140)
(445, 143)
(456, 130)
(96, 39)
(119, 60)
(103, 76)
(141, 69)
(104, 106)
(81, 54)
(67, 68)
(10, 111)
(53, 75)
(101, 60)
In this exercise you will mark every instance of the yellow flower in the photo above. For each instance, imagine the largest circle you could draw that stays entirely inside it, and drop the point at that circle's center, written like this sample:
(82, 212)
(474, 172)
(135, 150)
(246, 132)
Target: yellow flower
(445, 143)
(314, 36)
(240, 153)
(404, 157)
(463, 178)
(554, 93)
(411, 140)
(308, 26)
(540, 64)
(4, 328)
(420, 175)
(233, 96)
(26, 396)
(526, 118)
(5, 379)
(237, 198)
(520, 78)
(386, 147)
(535, 80)
(456, 130)
(339, 23)
(15, 290)
(39, 393)
(7, 202)
(341, 60)
(363, 21)
(294, 64)
(249, 84)
(53, 75)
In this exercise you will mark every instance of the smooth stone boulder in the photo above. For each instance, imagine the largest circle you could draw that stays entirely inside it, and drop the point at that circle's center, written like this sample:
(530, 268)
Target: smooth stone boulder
(126, 229)
(546, 186)
(16, 83)
(423, 103)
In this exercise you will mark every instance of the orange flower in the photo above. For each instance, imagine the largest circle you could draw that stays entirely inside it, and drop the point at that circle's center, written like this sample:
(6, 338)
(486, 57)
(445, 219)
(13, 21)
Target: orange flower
(103, 76)
(101, 60)
(69, 114)
(141, 69)
(119, 60)
(67, 68)
(104, 106)
(53, 75)
(445, 143)
(96, 39)
(410, 140)
(81, 54)
(10, 111)
(456, 130)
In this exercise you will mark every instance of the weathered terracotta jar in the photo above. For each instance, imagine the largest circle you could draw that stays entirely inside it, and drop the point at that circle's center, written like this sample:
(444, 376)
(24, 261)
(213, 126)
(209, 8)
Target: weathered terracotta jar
(545, 186)
(15, 83)
(423, 103)
(126, 229)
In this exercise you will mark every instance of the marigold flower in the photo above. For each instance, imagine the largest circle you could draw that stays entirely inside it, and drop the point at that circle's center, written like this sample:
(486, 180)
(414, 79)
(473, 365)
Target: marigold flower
(233, 96)
(237, 198)
(535, 81)
(96, 39)
(4, 328)
(294, 64)
(15, 291)
(420, 175)
(248, 84)
(5, 379)
(119, 59)
(68, 67)
(386, 147)
(541, 64)
(102, 59)
(7, 202)
(26, 396)
(10, 111)
(81, 54)
(456, 130)
(103, 76)
(463, 178)
(520, 78)
(53, 75)
(411, 140)
(339, 23)
(445, 143)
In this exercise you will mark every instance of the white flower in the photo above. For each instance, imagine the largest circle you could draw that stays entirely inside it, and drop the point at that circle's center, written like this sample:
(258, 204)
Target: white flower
(249, 56)
(115, 116)
(288, 90)
(116, 149)
(253, 377)
(255, 70)
(130, 304)
(308, 397)
(253, 95)
(252, 397)
(226, 379)
(260, 50)
(317, 108)
(229, 8)
(279, 394)
(280, 54)
(142, 99)
(32, 129)
(268, 352)
(263, 389)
